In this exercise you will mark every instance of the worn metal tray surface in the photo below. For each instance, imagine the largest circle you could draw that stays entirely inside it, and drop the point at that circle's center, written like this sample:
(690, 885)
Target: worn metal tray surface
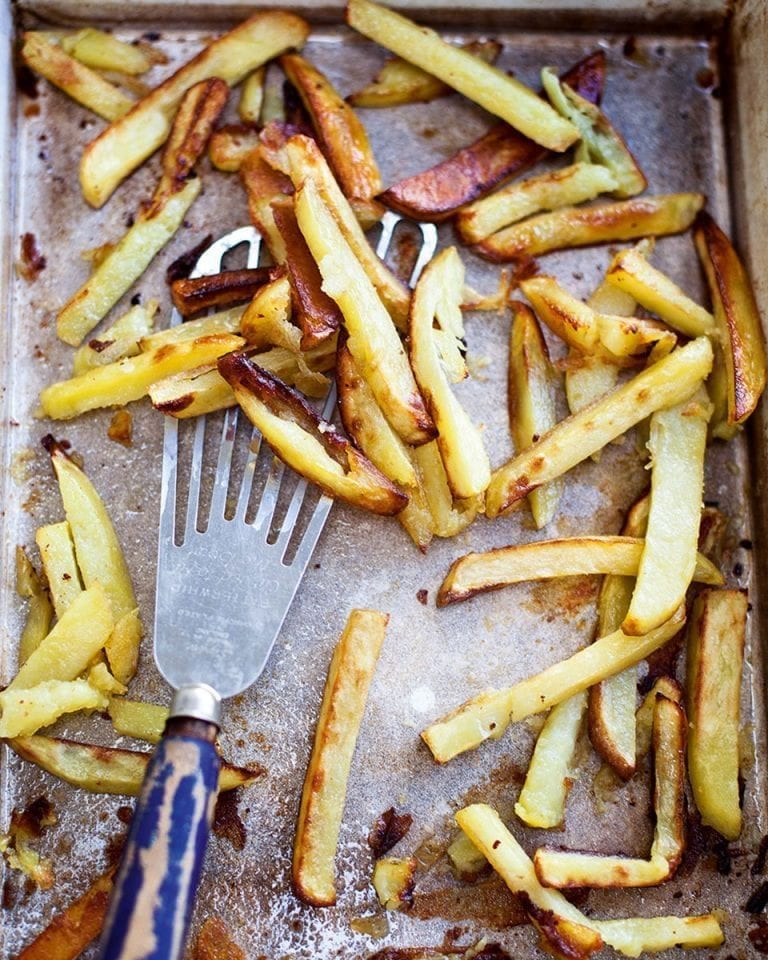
(662, 92)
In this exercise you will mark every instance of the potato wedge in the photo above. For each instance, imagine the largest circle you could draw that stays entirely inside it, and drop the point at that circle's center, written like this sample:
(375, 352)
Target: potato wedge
(677, 444)
(532, 398)
(123, 265)
(583, 226)
(263, 185)
(325, 785)
(670, 381)
(26, 709)
(488, 714)
(46, 57)
(600, 142)
(133, 718)
(71, 645)
(118, 383)
(631, 272)
(399, 82)
(565, 187)
(40, 611)
(314, 312)
(436, 305)
(566, 869)
(306, 162)
(305, 442)
(713, 685)
(120, 340)
(499, 93)
(737, 322)
(57, 551)
(125, 144)
(563, 926)
(474, 171)
(71, 930)
(100, 769)
(476, 573)
(542, 798)
(231, 144)
(231, 286)
(341, 137)
(103, 51)
(373, 339)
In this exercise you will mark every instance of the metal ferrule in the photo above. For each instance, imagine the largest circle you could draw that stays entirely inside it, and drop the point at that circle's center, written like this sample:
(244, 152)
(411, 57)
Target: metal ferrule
(199, 701)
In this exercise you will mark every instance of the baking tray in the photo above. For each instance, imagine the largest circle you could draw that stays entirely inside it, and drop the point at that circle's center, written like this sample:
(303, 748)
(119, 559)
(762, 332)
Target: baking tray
(690, 102)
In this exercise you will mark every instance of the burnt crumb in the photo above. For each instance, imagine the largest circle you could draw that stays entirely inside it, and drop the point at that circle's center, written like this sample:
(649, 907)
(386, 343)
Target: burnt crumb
(227, 823)
(705, 78)
(130, 220)
(151, 36)
(762, 852)
(492, 951)
(33, 819)
(121, 428)
(629, 49)
(32, 110)
(135, 299)
(711, 503)
(43, 155)
(182, 266)
(26, 81)
(85, 123)
(428, 133)
(31, 261)
(9, 893)
(738, 569)
(114, 849)
(758, 937)
(422, 596)
(99, 345)
(746, 545)
(723, 862)
(388, 830)
(677, 895)
(758, 900)
(716, 92)
(315, 566)
(749, 608)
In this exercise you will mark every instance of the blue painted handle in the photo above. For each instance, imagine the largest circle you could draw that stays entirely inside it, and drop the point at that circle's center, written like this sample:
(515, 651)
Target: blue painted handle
(163, 856)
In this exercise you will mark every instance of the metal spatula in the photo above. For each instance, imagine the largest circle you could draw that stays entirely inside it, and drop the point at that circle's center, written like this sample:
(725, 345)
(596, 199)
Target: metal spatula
(213, 635)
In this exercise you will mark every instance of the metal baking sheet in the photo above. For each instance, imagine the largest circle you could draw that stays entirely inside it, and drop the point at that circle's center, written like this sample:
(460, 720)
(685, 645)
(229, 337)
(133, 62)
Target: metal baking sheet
(663, 91)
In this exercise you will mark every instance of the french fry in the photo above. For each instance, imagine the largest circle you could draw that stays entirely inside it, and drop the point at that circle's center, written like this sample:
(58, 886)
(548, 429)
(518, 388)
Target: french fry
(103, 51)
(101, 769)
(373, 339)
(562, 925)
(306, 443)
(713, 685)
(531, 395)
(489, 714)
(393, 880)
(542, 798)
(221, 322)
(71, 930)
(231, 144)
(26, 709)
(100, 678)
(126, 143)
(436, 304)
(263, 185)
(467, 861)
(399, 82)
(18, 844)
(499, 93)
(600, 142)
(663, 687)
(252, 96)
(325, 785)
(125, 264)
(306, 162)
(84, 85)
(40, 611)
(631, 272)
(231, 286)
(71, 645)
(120, 340)
(314, 312)
(449, 516)
(677, 445)
(611, 713)
(476, 169)
(476, 573)
(621, 340)
(341, 137)
(583, 226)
(267, 320)
(57, 551)
(670, 381)
(566, 187)
(116, 384)
(133, 718)
(566, 869)
(741, 348)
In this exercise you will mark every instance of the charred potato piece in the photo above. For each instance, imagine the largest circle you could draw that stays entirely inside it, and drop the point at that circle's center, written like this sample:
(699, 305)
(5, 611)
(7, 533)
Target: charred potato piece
(232, 286)
(263, 185)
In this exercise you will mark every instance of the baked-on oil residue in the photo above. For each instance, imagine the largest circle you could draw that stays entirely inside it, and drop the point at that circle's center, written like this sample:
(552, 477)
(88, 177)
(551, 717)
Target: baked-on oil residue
(227, 822)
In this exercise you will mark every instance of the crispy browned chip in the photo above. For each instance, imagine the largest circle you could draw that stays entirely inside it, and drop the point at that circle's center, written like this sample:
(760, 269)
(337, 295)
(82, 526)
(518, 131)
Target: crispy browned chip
(475, 170)
(218, 290)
